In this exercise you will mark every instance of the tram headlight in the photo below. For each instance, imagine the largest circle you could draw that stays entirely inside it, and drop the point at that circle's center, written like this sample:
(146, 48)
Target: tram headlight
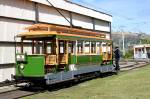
(20, 57)
(21, 66)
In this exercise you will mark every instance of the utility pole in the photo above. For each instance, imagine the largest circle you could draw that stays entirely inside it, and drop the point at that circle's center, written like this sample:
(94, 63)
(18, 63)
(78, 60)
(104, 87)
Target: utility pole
(123, 46)
(139, 35)
(123, 40)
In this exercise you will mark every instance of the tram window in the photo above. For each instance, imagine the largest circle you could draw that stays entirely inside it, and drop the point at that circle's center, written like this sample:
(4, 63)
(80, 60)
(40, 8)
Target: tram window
(139, 50)
(136, 51)
(87, 48)
(27, 49)
(70, 47)
(93, 47)
(49, 48)
(38, 47)
(41, 50)
(61, 47)
(104, 45)
(109, 50)
(98, 47)
(143, 50)
(18, 49)
(148, 49)
(80, 47)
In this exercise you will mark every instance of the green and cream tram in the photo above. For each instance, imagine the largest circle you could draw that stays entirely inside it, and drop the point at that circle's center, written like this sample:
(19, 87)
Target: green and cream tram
(55, 54)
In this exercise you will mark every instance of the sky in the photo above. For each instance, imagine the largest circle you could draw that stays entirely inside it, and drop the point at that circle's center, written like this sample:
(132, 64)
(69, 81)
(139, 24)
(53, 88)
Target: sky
(128, 15)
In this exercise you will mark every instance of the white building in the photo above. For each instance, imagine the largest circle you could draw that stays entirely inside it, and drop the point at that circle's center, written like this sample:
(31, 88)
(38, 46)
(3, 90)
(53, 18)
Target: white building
(142, 51)
(15, 15)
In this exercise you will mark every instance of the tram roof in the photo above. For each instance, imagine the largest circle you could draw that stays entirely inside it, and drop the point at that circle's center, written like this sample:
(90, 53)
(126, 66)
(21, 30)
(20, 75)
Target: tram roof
(141, 45)
(61, 32)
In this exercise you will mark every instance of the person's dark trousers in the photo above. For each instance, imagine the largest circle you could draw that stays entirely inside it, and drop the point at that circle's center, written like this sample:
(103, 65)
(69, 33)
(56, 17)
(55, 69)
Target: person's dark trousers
(117, 64)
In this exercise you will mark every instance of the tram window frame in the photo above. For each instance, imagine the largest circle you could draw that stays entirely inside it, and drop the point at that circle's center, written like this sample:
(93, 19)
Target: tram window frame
(80, 47)
(71, 47)
(109, 48)
(136, 50)
(143, 51)
(139, 50)
(104, 47)
(29, 46)
(93, 47)
(24, 47)
(37, 45)
(63, 49)
(98, 45)
(148, 49)
(49, 51)
(87, 44)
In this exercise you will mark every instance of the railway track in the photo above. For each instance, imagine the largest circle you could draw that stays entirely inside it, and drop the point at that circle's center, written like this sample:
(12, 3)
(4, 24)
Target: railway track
(23, 92)
(133, 66)
(19, 93)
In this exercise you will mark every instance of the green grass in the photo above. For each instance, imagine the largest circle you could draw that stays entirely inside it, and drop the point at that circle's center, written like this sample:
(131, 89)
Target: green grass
(133, 84)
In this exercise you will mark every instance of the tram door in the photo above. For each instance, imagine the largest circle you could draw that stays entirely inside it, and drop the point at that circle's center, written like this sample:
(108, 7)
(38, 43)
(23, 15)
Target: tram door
(63, 52)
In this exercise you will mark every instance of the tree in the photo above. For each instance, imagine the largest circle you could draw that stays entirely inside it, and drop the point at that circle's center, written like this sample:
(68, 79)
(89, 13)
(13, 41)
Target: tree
(129, 53)
(145, 41)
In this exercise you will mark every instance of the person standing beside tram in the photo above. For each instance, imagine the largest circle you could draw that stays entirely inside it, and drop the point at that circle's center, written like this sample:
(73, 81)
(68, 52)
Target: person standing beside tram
(117, 58)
